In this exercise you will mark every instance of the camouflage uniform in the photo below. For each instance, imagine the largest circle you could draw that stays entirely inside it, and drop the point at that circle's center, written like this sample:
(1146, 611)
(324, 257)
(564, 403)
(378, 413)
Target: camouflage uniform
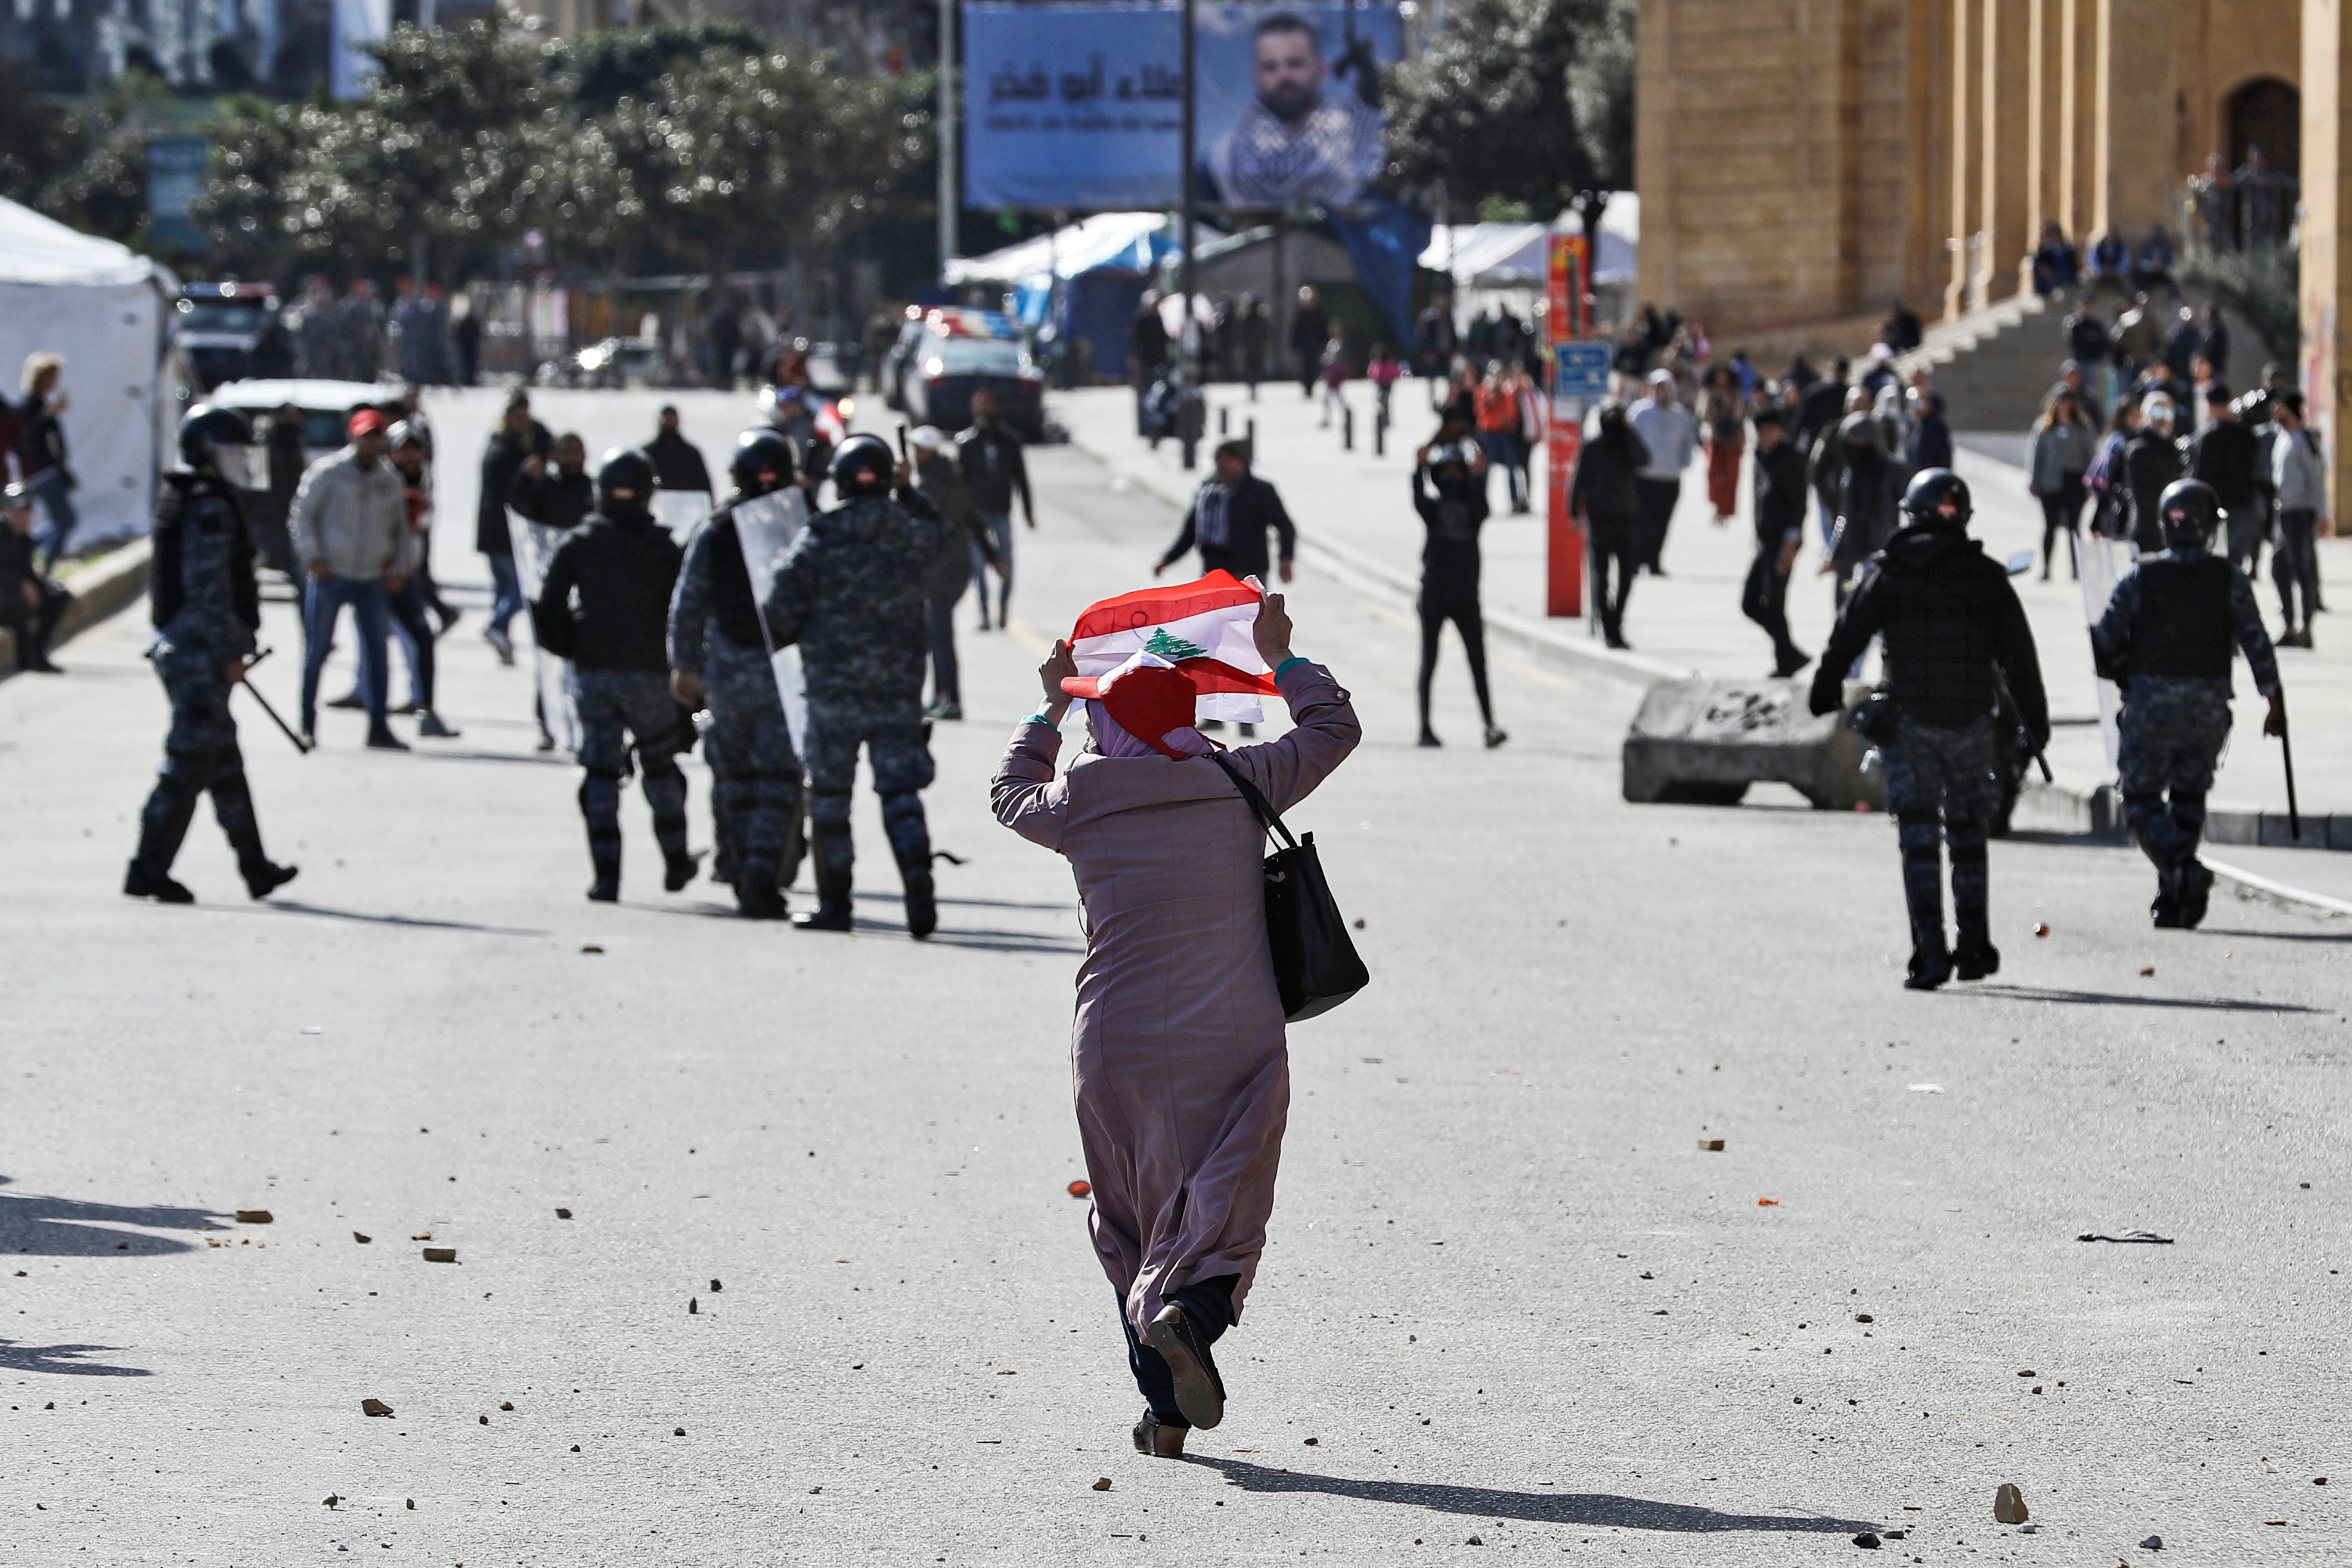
(206, 609)
(2174, 727)
(756, 775)
(1937, 773)
(851, 594)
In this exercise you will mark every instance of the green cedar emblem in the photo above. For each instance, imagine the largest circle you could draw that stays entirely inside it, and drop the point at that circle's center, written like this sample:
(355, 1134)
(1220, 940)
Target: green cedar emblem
(1174, 649)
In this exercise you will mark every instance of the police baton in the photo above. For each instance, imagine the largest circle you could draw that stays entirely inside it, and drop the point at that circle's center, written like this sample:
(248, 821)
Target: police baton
(2001, 683)
(2286, 752)
(303, 746)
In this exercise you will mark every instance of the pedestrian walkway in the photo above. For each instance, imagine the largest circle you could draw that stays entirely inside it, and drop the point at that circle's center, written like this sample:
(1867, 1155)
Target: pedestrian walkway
(1356, 503)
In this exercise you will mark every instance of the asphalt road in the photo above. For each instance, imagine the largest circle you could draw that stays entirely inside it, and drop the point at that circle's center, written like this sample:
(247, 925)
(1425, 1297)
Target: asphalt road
(1507, 1297)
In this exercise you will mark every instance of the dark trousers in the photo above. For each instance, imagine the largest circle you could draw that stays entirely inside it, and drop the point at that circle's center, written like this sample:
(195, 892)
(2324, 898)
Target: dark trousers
(2062, 513)
(34, 627)
(1210, 1304)
(200, 757)
(1657, 499)
(2294, 565)
(322, 604)
(1502, 449)
(1764, 599)
(618, 707)
(947, 679)
(1438, 606)
(408, 618)
(1614, 544)
(2247, 526)
(506, 591)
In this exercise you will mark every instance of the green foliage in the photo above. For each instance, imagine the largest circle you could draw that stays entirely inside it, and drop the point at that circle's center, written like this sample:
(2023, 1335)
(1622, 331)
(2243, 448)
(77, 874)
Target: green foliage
(83, 166)
(673, 148)
(1524, 101)
(2263, 286)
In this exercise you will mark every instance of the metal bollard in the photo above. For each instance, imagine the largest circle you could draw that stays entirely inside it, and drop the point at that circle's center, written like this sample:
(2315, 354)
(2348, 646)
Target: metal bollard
(1380, 434)
(1224, 417)
(1249, 434)
(1347, 427)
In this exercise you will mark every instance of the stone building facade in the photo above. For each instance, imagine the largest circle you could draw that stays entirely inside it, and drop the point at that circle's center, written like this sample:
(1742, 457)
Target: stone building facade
(1814, 160)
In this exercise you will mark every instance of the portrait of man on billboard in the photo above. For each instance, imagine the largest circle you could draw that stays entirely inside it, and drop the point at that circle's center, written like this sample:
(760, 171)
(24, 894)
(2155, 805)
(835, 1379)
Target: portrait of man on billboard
(1302, 137)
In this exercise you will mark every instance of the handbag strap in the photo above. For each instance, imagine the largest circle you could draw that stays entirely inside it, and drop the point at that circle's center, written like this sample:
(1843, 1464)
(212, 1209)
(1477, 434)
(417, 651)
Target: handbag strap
(1259, 805)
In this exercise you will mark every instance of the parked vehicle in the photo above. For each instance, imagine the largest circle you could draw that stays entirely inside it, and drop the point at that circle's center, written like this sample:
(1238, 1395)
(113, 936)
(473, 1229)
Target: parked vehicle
(942, 359)
(220, 325)
(321, 410)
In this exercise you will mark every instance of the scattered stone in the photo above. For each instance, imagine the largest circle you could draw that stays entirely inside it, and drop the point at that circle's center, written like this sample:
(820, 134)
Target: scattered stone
(589, 947)
(2029, 1372)
(361, 1238)
(714, 1286)
(2009, 1505)
(253, 1216)
(1312, 1441)
(440, 1255)
(506, 1405)
(1893, 1535)
(332, 1498)
(2319, 1480)
(1102, 1483)
(563, 1214)
(411, 1505)
(679, 1432)
(2041, 928)
(1359, 923)
(1081, 1189)
(693, 1307)
(1768, 1203)
(2148, 970)
(422, 1235)
(1710, 1145)
(1474, 1541)
(374, 1406)
(2153, 1544)
(1863, 1317)
(483, 1419)
(1867, 1541)
(2148, 1236)
(576, 1448)
(1927, 1089)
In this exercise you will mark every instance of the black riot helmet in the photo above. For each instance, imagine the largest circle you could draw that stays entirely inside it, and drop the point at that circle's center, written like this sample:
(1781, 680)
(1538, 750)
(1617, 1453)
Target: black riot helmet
(1938, 495)
(2189, 511)
(862, 467)
(759, 452)
(207, 425)
(624, 485)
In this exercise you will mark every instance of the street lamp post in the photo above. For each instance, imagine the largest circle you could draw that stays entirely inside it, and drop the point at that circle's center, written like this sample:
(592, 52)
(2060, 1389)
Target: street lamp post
(951, 192)
(1188, 356)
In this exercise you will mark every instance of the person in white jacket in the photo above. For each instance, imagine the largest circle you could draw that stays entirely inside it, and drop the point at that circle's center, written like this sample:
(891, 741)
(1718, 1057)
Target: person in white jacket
(348, 523)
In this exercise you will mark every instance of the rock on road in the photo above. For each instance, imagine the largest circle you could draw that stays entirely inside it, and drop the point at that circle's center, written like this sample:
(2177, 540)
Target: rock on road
(1507, 1294)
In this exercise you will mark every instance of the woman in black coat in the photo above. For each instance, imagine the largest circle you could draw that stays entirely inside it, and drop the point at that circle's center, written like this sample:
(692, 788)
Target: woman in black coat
(1603, 499)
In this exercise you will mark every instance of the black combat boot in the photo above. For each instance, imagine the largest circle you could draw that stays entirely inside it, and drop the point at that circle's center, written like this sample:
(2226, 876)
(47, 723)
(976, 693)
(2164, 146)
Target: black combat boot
(2196, 884)
(2164, 913)
(678, 871)
(922, 903)
(155, 885)
(757, 897)
(831, 849)
(263, 877)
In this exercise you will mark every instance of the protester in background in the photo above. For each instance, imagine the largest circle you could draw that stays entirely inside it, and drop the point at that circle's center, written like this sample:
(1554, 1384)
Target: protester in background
(410, 602)
(361, 326)
(2228, 458)
(678, 462)
(1382, 369)
(1228, 520)
(1178, 1055)
(1902, 330)
(1865, 502)
(2055, 263)
(1336, 370)
(2152, 461)
(30, 604)
(2152, 264)
(2299, 477)
(1725, 437)
(1253, 336)
(465, 335)
(939, 479)
(1779, 530)
(1310, 328)
(1817, 413)
(1147, 351)
(1605, 498)
(994, 472)
(41, 452)
(1453, 505)
(1433, 338)
(2138, 338)
(1930, 442)
(1461, 399)
(2064, 440)
(1670, 438)
(350, 528)
(1497, 412)
(1534, 414)
(518, 439)
(2107, 481)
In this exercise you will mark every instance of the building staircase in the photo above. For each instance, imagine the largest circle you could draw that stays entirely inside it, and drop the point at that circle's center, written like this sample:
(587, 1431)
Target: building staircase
(1993, 366)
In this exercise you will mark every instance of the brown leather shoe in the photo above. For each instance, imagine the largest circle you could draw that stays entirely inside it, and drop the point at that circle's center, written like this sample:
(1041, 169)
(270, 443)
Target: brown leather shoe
(1160, 1442)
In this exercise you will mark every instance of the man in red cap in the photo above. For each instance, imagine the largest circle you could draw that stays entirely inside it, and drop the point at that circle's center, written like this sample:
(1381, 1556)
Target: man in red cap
(348, 520)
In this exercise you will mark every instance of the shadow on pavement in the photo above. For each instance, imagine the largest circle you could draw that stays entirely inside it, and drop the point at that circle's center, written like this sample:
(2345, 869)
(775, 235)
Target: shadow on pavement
(16, 1356)
(70, 1227)
(432, 752)
(414, 922)
(1489, 1502)
(2110, 998)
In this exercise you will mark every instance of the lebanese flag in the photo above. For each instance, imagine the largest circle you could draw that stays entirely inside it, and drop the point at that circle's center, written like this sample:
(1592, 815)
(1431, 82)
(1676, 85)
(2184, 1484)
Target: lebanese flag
(1206, 629)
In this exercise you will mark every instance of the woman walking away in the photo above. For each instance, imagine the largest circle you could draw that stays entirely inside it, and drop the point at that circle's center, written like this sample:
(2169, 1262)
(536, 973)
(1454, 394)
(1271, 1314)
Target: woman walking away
(1180, 1073)
(41, 453)
(2062, 449)
(1449, 571)
(1727, 438)
(1603, 500)
(2104, 483)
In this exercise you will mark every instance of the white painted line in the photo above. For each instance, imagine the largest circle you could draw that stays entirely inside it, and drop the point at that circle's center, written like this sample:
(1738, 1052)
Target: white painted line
(2280, 890)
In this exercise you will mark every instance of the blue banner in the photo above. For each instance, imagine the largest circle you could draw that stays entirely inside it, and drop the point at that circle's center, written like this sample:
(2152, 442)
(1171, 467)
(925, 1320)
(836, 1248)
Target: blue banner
(1082, 106)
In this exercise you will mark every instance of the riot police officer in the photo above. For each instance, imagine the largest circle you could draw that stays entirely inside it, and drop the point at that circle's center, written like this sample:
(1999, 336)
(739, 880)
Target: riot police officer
(2165, 640)
(718, 657)
(1948, 617)
(851, 594)
(623, 565)
(206, 609)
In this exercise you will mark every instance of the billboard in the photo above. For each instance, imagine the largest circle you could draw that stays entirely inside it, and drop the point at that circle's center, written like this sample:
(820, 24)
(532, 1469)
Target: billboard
(1082, 105)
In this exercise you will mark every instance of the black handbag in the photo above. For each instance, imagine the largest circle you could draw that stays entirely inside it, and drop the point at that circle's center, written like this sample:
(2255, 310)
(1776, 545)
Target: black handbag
(1314, 964)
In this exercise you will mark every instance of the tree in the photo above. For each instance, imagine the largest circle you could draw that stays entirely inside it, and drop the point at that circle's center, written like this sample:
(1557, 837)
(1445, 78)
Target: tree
(1520, 101)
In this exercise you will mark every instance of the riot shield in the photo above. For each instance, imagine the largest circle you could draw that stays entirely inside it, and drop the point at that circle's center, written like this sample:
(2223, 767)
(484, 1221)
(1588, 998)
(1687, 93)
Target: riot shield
(2103, 562)
(765, 526)
(558, 704)
(681, 511)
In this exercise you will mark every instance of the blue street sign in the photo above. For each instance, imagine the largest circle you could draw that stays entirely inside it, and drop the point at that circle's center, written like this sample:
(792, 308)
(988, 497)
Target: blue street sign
(1580, 370)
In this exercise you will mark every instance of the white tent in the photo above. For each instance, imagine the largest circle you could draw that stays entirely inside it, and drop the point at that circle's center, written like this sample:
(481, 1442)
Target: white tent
(1091, 242)
(100, 308)
(1496, 256)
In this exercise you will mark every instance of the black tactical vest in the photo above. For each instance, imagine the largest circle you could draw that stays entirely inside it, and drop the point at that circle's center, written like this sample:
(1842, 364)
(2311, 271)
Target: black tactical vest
(732, 604)
(2183, 627)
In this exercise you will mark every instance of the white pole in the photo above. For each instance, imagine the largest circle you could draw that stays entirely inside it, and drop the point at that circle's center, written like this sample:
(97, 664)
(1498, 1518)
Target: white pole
(950, 186)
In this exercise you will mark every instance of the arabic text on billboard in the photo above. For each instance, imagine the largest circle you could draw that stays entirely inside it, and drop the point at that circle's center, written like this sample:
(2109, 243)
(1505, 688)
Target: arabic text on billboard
(1082, 105)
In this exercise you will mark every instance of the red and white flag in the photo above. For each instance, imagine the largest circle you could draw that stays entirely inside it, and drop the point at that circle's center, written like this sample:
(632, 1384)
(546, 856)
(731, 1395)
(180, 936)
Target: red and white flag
(1207, 629)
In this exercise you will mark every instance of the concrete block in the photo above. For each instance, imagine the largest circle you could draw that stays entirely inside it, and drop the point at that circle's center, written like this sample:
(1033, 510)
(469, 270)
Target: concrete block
(2234, 827)
(1706, 740)
(2273, 832)
(2339, 832)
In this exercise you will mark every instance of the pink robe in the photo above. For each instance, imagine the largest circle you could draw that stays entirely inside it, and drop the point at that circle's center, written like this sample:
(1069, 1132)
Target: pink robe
(1177, 1056)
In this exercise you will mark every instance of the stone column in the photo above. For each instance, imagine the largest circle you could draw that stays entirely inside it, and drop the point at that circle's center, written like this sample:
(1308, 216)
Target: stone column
(2139, 80)
(2002, 121)
(2326, 260)
(2078, 90)
(2045, 107)
(1967, 149)
(1927, 191)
